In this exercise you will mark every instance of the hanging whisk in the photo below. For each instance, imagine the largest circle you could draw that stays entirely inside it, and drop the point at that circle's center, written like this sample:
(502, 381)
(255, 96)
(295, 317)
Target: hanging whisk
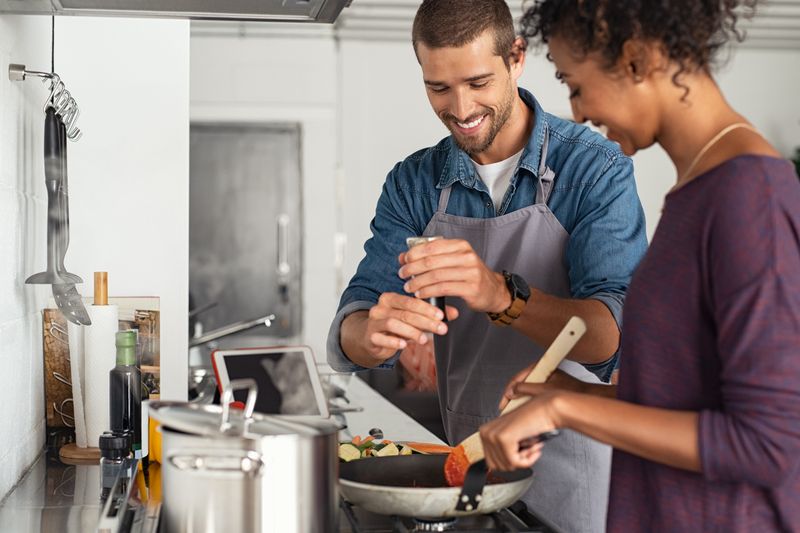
(59, 99)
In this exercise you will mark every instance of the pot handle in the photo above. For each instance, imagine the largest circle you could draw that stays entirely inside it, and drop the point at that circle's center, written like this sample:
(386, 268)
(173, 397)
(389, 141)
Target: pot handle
(227, 399)
(250, 464)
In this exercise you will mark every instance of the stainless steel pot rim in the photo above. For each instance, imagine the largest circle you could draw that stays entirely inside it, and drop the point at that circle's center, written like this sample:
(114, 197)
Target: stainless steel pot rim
(204, 420)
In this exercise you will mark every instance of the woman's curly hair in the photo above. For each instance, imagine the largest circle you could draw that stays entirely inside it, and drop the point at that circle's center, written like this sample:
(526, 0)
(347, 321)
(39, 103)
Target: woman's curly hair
(689, 31)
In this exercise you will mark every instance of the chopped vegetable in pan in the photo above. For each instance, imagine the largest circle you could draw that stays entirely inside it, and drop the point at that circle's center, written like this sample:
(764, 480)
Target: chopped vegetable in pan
(359, 448)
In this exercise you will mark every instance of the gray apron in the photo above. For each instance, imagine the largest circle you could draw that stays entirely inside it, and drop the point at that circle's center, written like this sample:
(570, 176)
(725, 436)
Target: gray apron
(476, 359)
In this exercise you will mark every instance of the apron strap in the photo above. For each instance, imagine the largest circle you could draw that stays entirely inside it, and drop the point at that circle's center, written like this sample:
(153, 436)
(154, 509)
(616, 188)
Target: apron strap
(444, 197)
(545, 185)
(546, 176)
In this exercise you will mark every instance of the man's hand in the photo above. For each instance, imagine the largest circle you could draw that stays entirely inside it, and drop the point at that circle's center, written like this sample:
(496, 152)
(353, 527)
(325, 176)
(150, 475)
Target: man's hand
(371, 338)
(450, 267)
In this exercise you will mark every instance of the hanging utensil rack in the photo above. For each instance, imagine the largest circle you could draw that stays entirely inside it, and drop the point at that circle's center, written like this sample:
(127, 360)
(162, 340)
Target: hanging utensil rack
(60, 98)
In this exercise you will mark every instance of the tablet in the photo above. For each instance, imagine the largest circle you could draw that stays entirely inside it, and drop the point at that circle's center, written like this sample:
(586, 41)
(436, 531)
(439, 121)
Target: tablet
(287, 378)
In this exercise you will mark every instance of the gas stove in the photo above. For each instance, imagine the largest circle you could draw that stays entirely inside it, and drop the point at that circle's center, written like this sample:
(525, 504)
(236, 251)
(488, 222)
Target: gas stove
(513, 519)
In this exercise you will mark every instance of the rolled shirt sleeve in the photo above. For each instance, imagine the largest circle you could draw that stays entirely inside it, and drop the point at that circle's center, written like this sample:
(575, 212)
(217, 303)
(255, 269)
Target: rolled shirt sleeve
(336, 356)
(608, 239)
(377, 271)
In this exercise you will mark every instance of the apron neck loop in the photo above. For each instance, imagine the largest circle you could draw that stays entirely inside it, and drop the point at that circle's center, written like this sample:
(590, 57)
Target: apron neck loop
(543, 189)
(546, 175)
(444, 197)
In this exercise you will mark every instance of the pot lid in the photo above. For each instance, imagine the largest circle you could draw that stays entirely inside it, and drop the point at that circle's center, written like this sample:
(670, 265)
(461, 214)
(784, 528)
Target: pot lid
(207, 420)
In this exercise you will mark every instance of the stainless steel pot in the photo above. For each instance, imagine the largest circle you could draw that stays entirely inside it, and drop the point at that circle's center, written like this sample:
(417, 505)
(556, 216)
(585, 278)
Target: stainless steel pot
(251, 473)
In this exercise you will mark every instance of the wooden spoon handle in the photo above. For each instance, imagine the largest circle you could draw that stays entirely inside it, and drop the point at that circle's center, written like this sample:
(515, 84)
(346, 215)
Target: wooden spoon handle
(558, 350)
(470, 449)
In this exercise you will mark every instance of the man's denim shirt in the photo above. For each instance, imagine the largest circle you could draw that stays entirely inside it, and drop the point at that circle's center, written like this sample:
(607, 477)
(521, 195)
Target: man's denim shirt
(593, 197)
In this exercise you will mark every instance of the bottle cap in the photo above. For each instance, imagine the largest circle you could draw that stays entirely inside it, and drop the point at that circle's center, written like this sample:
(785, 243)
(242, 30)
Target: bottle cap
(126, 347)
(115, 446)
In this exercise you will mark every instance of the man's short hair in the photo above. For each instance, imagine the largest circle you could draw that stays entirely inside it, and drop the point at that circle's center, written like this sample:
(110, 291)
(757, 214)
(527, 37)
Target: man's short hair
(454, 23)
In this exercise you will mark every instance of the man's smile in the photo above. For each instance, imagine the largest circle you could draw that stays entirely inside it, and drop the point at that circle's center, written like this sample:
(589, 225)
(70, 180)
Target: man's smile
(471, 126)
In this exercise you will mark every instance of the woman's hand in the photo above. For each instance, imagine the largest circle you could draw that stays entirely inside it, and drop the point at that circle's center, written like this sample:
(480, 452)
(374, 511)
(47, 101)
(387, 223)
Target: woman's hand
(558, 380)
(501, 436)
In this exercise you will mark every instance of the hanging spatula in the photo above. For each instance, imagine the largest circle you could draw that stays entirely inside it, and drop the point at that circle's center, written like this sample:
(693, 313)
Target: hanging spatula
(53, 177)
(470, 450)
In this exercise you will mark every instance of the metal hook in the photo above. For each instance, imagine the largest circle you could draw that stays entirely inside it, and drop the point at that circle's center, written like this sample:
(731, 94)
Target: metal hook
(67, 112)
(63, 379)
(58, 332)
(59, 99)
(56, 87)
(68, 109)
(65, 417)
(67, 477)
(64, 102)
(73, 133)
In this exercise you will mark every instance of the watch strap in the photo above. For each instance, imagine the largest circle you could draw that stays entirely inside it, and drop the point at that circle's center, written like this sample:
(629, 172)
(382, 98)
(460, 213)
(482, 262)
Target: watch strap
(513, 312)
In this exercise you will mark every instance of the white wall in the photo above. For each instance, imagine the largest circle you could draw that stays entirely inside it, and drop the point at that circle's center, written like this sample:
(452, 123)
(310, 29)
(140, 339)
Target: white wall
(129, 173)
(128, 194)
(22, 218)
(763, 85)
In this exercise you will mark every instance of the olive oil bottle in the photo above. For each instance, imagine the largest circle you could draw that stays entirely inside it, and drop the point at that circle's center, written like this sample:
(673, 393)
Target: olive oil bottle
(125, 387)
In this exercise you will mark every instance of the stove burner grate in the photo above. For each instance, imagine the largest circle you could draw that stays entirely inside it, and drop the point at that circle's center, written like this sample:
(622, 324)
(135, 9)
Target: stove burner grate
(513, 519)
(439, 525)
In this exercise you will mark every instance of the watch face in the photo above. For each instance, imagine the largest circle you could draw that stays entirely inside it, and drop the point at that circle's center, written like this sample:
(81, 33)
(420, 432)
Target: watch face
(521, 286)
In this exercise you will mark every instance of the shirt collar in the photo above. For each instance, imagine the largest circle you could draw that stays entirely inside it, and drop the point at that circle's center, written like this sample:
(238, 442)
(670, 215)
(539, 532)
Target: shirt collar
(459, 167)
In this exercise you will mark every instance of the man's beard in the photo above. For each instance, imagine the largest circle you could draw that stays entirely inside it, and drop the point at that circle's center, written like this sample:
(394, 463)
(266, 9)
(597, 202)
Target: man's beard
(497, 120)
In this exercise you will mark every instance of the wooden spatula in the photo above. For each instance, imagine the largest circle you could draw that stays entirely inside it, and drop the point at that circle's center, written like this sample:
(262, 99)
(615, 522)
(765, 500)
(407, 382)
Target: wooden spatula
(470, 450)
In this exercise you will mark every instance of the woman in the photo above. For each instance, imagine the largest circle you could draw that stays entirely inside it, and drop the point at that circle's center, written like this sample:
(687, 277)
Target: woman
(705, 420)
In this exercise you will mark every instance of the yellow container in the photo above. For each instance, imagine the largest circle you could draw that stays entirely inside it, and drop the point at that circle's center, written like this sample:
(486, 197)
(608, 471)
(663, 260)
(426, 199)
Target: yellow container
(155, 483)
(155, 440)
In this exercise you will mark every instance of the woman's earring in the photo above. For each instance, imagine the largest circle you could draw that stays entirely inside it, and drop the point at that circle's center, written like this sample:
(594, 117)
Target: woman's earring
(637, 78)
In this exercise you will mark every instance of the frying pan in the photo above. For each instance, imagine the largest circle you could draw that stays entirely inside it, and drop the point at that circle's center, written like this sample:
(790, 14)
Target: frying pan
(414, 485)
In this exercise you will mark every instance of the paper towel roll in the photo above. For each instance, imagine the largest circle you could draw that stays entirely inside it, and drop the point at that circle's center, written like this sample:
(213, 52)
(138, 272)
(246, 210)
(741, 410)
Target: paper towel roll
(100, 358)
(77, 375)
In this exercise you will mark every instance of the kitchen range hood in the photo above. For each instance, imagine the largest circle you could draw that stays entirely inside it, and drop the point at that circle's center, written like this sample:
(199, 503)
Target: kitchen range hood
(266, 10)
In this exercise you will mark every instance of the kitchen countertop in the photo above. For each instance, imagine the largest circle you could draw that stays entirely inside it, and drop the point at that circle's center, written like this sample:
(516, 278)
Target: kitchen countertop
(381, 413)
(55, 497)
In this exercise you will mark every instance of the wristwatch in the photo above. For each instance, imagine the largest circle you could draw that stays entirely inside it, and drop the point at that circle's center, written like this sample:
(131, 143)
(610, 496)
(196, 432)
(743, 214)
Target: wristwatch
(520, 292)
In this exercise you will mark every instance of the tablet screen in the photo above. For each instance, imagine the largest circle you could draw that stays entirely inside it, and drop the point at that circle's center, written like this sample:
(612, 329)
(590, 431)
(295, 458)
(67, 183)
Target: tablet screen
(284, 384)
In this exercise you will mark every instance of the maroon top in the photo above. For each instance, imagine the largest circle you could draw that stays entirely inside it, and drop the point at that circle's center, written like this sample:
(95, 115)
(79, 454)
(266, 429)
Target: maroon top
(712, 324)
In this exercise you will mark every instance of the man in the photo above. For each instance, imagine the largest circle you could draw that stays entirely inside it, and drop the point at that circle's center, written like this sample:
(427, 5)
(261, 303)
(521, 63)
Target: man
(541, 222)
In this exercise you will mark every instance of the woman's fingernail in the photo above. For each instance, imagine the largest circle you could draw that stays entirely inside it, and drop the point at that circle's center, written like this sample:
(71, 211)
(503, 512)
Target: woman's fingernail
(402, 344)
(406, 288)
(442, 329)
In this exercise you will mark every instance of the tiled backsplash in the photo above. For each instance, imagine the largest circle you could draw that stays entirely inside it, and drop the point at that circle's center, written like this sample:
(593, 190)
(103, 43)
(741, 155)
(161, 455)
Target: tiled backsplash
(23, 211)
